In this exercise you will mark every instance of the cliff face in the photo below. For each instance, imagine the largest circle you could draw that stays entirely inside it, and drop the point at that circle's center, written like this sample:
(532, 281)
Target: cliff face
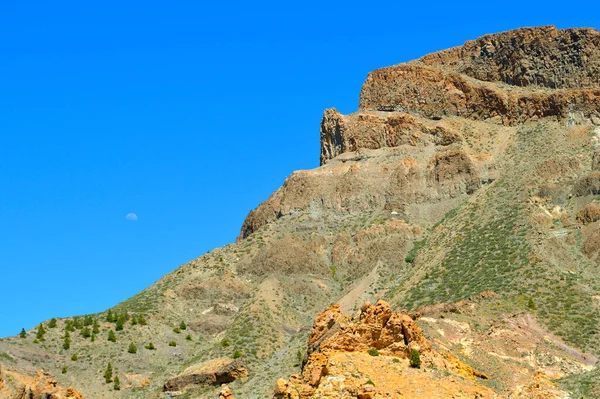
(463, 190)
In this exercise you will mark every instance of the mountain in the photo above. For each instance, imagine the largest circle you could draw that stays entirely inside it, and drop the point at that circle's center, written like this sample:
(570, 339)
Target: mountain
(462, 199)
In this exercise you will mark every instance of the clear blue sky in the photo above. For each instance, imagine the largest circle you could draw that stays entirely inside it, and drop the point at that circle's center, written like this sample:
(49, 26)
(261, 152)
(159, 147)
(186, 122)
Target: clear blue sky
(186, 113)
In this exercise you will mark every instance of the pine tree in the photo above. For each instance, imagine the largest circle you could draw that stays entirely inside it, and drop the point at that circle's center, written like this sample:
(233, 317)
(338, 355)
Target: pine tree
(120, 323)
(109, 316)
(108, 373)
(69, 325)
(111, 336)
(77, 323)
(142, 320)
(117, 386)
(40, 333)
(189, 337)
(237, 354)
(134, 320)
(67, 342)
(52, 323)
(23, 334)
(95, 327)
(87, 321)
(132, 348)
(93, 337)
(85, 332)
(182, 326)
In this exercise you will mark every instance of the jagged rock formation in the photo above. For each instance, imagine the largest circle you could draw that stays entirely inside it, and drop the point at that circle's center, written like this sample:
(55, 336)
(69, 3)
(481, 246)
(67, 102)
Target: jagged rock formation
(42, 386)
(355, 357)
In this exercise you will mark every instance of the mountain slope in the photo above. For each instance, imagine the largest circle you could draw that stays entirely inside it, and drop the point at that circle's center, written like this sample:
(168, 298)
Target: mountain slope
(472, 170)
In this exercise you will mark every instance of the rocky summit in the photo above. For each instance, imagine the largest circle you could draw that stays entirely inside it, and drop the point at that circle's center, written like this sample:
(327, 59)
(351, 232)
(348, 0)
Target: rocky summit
(447, 247)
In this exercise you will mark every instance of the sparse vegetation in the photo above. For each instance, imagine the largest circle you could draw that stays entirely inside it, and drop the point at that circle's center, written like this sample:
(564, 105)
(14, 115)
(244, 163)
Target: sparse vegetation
(111, 336)
(108, 374)
(373, 352)
(132, 348)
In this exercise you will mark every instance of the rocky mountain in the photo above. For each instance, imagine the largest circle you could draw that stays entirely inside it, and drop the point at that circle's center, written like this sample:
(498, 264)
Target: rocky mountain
(462, 199)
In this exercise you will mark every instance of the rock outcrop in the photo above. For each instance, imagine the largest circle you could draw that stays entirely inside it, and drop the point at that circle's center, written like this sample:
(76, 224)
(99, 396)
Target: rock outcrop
(42, 386)
(214, 372)
(367, 356)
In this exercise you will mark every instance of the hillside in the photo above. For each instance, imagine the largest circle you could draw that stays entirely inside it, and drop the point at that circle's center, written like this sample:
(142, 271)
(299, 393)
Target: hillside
(464, 193)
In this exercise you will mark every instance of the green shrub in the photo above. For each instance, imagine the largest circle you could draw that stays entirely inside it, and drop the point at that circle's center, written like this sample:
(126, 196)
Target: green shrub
(150, 346)
(176, 330)
(237, 354)
(52, 323)
(132, 348)
(396, 360)
(373, 352)
(188, 337)
(111, 336)
(23, 334)
(225, 342)
(415, 359)
(74, 357)
(64, 370)
(182, 326)
(117, 386)
(142, 320)
(172, 343)
(85, 332)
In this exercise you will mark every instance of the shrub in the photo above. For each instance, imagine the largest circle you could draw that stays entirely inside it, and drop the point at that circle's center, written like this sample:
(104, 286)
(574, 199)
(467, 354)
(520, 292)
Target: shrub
(93, 337)
(132, 348)
(172, 343)
(189, 337)
(225, 342)
(370, 382)
(531, 304)
(150, 346)
(64, 370)
(77, 323)
(176, 330)
(415, 359)
(589, 213)
(182, 326)
(396, 360)
(52, 323)
(237, 354)
(74, 357)
(134, 320)
(109, 316)
(117, 386)
(87, 321)
(95, 327)
(373, 352)
(23, 334)
(142, 320)
(111, 336)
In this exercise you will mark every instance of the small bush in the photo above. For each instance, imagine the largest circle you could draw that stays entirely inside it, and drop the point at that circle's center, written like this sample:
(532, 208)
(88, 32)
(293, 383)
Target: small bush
(108, 373)
(150, 346)
(132, 348)
(64, 370)
(415, 359)
(117, 386)
(182, 326)
(225, 342)
(589, 213)
(52, 323)
(396, 360)
(111, 336)
(373, 352)
(189, 337)
(74, 357)
(172, 343)
(176, 330)
(370, 382)
(23, 334)
(237, 354)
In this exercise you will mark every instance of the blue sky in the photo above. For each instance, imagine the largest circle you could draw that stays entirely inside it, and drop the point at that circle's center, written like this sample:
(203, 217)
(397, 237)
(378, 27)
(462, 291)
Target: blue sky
(187, 114)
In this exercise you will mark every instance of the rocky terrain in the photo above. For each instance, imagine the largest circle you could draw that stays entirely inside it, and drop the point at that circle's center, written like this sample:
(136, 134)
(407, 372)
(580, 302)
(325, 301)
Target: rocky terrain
(462, 199)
